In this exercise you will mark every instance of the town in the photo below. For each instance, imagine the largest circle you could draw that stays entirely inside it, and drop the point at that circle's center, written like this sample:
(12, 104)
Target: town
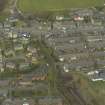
(37, 56)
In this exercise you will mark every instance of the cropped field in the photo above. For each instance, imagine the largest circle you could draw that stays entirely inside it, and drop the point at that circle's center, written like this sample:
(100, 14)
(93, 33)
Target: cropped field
(53, 5)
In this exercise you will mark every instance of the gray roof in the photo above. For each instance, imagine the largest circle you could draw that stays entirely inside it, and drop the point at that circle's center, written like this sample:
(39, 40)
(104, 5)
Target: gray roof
(4, 83)
(99, 54)
(82, 64)
(78, 56)
(18, 102)
(101, 62)
(84, 12)
(67, 40)
(97, 45)
(78, 46)
(92, 38)
(50, 101)
(99, 75)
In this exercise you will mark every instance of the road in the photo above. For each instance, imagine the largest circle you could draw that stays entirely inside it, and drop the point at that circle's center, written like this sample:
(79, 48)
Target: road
(14, 10)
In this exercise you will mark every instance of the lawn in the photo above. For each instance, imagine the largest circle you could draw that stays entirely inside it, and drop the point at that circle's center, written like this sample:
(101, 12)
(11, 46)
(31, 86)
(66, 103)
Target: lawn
(53, 5)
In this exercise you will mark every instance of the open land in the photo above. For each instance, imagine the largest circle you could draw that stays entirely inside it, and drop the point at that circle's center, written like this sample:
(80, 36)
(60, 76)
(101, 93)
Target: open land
(55, 5)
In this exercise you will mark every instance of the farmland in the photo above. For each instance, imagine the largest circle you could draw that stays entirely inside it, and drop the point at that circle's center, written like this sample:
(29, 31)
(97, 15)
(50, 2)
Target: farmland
(55, 5)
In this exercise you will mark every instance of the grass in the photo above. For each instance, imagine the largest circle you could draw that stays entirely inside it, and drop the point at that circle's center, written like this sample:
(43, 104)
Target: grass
(53, 5)
(20, 23)
(4, 13)
(93, 92)
(3, 17)
(7, 74)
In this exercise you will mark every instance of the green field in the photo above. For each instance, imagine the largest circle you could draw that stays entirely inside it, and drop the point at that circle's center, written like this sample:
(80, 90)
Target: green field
(53, 5)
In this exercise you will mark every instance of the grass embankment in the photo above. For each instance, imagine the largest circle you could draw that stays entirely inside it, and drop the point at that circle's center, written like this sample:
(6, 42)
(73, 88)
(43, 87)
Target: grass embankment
(33, 6)
(93, 92)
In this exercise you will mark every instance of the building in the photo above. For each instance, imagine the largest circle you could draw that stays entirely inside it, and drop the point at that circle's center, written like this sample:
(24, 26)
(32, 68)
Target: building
(9, 53)
(18, 101)
(18, 46)
(51, 101)
(10, 65)
(98, 75)
(24, 66)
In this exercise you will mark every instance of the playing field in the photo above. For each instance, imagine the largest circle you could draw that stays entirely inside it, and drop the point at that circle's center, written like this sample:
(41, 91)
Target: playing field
(46, 5)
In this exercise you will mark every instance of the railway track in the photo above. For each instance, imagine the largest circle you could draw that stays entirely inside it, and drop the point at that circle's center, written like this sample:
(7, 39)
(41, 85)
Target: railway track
(69, 92)
(71, 95)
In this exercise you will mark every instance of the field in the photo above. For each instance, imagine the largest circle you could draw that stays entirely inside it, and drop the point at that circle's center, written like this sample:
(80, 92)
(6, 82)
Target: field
(53, 5)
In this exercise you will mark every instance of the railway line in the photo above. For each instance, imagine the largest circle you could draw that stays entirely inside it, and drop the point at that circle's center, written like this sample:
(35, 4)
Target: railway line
(68, 89)
(71, 94)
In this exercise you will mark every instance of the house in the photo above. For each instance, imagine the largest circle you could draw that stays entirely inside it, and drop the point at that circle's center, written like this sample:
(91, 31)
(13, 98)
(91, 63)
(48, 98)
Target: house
(78, 47)
(18, 46)
(6, 24)
(96, 45)
(12, 34)
(25, 83)
(59, 18)
(29, 85)
(24, 66)
(3, 92)
(1, 67)
(94, 38)
(98, 54)
(83, 12)
(9, 52)
(1, 25)
(98, 75)
(18, 101)
(32, 49)
(12, 19)
(1, 56)
(39, 74)
(67, 39)
(77, 56)
(7, 102)
(23, 37)
(51, 101)
(4, 83)
(78, 18)
(99, 16)
(34, 60)
(81, 64)
(100, 63)
(10, 65)
(24, 40)
(24, 34)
